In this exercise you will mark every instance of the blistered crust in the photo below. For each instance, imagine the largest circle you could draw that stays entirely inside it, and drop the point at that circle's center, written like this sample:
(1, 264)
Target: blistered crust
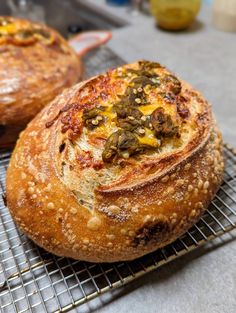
(146, 205)
(34, 69)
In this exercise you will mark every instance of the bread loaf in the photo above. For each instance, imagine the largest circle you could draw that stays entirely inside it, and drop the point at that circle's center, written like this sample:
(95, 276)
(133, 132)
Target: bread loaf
(36, 64)
(116, 166)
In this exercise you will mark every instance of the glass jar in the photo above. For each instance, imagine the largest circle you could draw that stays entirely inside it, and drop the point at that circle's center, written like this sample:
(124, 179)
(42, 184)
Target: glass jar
(224, 15)
(175, 14)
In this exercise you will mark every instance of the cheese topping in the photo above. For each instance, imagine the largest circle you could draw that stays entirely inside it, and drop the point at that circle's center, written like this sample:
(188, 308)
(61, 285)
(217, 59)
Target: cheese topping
(22, 32)
(134, 120)
(127, 112)
(149, 139)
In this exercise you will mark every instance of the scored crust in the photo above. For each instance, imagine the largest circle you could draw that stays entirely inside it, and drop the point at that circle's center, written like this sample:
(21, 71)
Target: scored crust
(73, 196)
(36, 64)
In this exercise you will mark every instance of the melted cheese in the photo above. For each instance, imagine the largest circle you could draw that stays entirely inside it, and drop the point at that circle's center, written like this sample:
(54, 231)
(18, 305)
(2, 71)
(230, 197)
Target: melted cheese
(108, 113)
(8, 29)
(108, 127)
(105, 130)
(148, 109)
(149, 139)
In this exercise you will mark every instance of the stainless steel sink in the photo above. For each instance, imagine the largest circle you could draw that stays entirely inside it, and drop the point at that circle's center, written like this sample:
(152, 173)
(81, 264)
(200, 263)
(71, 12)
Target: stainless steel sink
(66, 14)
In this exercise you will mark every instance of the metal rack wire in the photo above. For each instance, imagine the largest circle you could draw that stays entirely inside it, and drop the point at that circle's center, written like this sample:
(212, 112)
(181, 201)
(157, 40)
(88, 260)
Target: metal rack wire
(33, 280)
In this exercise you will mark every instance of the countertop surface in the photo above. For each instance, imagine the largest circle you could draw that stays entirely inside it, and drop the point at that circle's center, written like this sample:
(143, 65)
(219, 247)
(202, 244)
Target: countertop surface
(204, 280)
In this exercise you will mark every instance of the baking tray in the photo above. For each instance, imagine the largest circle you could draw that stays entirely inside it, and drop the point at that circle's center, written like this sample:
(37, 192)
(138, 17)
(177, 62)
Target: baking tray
(33, 280)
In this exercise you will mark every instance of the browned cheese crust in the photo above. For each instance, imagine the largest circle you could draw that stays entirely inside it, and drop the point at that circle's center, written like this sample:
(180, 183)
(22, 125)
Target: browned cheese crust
(117, 166)
(36, 64)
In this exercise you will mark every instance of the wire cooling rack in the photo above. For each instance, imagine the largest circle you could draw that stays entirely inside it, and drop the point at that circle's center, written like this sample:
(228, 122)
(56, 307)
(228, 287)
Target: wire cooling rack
(33, 280)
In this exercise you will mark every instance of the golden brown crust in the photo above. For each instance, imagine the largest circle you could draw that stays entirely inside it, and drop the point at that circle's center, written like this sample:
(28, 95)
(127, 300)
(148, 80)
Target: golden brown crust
(34, 69)
(79, 206)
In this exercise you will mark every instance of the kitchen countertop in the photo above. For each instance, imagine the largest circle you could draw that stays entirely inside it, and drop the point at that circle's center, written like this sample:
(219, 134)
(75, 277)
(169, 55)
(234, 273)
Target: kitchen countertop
(204, 280)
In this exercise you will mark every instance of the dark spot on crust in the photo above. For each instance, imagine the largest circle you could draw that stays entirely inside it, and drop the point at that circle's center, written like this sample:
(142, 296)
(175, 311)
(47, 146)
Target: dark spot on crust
(151, 231)
(85, 160)
(169, 97)
(203, 117)
(182, 109)
(2, 130)
(50, 123)
(62, 147)
(64, 109)
(183, 112)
